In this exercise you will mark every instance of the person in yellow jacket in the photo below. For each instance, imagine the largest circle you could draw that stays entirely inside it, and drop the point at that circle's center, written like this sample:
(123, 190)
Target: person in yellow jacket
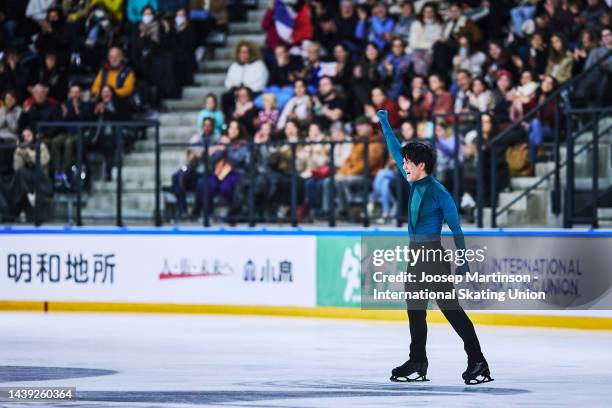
(115, 74)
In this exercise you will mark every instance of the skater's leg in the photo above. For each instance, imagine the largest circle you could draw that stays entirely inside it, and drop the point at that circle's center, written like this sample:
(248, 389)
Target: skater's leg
(465, 329)
(418, 334)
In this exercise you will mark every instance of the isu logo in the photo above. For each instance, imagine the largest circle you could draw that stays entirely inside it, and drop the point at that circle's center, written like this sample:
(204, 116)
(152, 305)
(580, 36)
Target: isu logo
(187, 268)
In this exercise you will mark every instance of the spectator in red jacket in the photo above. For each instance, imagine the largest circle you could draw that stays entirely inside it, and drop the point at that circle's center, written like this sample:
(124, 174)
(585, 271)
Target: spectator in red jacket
(381, 101)
(443, 100)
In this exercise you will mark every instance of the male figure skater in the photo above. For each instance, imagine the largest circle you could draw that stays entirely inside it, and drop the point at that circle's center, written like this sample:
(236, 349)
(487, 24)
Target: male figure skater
(429, 204)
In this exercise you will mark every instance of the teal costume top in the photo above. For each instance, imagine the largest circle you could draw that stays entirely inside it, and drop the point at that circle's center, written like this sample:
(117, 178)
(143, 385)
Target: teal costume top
(429, 202)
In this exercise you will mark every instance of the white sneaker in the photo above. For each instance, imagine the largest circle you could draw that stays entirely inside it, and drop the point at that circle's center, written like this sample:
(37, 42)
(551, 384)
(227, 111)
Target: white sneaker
(467, 201)
(32, 198)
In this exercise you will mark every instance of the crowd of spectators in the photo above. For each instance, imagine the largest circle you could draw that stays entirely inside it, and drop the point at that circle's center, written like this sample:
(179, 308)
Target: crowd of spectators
(86, 60)
(422, 61)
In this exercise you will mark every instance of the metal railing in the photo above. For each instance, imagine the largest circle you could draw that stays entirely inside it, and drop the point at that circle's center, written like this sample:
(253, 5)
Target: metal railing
(570, 216)
(557, 97)
(115, 126)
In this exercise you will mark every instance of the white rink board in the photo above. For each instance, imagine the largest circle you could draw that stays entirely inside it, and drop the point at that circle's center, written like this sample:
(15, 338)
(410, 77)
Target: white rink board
(180, 269)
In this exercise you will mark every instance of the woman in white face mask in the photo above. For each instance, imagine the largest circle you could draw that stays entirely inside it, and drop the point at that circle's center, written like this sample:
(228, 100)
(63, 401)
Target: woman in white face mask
(184, 48)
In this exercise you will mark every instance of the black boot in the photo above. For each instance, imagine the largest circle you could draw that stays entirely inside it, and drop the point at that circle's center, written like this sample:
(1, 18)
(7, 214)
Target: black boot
(477, 373)
(410, 371)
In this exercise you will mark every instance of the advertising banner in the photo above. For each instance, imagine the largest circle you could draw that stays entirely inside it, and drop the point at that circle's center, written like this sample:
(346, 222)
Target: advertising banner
(191, 269)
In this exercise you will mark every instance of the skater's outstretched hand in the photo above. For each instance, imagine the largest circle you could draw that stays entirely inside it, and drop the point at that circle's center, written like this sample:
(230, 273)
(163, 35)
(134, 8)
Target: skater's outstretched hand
(382, 115)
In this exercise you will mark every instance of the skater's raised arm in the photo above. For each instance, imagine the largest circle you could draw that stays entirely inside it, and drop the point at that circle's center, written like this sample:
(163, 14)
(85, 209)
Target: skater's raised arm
(392, 143)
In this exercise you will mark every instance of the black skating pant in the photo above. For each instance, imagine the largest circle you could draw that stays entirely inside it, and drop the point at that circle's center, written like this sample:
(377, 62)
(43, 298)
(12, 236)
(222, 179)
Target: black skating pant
(453, 312)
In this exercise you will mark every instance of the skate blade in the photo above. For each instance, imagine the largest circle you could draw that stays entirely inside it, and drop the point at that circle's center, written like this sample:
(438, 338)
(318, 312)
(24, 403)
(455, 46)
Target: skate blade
(477, 381)
(420, 378)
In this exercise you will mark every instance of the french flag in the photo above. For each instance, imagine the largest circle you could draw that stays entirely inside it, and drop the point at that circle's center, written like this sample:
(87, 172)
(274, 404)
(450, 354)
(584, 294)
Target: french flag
(284, 21)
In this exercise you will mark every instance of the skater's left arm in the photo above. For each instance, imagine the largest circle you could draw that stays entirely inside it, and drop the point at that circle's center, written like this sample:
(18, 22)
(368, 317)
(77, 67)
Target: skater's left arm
(449, 210)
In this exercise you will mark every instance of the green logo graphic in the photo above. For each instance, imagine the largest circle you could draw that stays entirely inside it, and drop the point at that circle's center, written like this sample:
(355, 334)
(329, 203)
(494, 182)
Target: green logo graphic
(339, 271)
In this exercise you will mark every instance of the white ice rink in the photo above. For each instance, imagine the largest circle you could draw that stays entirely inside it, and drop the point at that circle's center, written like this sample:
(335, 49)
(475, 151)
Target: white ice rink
(122, 360)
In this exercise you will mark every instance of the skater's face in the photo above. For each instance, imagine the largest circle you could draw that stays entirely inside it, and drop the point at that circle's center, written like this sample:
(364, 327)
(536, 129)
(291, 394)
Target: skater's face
(413, 172)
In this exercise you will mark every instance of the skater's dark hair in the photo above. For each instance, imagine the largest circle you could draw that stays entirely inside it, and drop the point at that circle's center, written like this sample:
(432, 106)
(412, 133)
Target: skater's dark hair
(419, 152)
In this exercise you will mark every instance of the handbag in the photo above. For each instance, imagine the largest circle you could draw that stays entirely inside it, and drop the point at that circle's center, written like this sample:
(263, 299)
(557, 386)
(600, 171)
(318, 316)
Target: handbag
(321, 172)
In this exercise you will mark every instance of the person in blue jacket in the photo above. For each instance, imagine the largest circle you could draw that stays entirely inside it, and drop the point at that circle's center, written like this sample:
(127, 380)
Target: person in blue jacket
(429, 205)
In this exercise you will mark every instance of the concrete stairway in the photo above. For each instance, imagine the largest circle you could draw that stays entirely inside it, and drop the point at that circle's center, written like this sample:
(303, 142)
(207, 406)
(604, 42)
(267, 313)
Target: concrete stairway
(177, 124)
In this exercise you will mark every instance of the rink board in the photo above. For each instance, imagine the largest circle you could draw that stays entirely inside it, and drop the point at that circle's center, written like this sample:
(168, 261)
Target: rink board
(263, 272)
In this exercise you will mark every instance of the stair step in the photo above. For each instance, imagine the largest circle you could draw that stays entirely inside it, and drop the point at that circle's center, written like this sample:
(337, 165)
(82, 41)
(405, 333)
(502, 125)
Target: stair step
(257, 15)
(522, 183)
(181, 105)
(215, 65)
(135, 186)
(248, 27)
(233, 39)
(216, 79)
(195, 92)
(178, 119)
(178, 133)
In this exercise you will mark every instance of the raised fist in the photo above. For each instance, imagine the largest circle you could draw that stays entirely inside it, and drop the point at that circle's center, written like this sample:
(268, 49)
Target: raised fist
(382, 114)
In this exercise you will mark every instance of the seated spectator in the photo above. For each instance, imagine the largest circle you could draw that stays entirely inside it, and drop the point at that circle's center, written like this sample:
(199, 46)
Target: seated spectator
(211, 110)
(14, 75)
(536, 58)
(108, 107)
(19, 192)
(346, 23)
(397, 66)
(279, 162)
(328, 106)
(268, 26)
(284, 69)
(424, 33)
(404, 23)
(115, 74)
(314, 160)
(135, 8)
(41, 108)
(588, 42)
(498, 58)
(523, 97)
(99, 35)
(247, 70)
(244, 109)
(269, 114)
(502, 98)
(541, 126)
(186, 178)
(367, 74)
(560, 60)
(380, 101)
(9, 118)
(228, 160)
(54, 35)
(442, 99)
(351, 174)
(468, 58)
(600, 80)
(456, 26)
(445, 142)
(378, 28)
(311, 71)
(344, 66)
(470, 170)
(382, 186)
(421, 100)
(463, 80)
(479, 96)
(53, 76)
(298, 108)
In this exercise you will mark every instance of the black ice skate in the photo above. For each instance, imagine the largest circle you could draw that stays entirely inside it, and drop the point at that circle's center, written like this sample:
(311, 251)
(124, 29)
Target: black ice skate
(477, 373)
(410, 371)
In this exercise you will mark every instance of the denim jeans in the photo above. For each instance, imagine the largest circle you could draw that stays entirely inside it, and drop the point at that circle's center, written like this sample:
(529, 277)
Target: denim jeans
(382, 189)
(537, 133)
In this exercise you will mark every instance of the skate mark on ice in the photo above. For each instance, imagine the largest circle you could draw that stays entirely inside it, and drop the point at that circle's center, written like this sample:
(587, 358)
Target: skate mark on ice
(35, 373)
(378, 386)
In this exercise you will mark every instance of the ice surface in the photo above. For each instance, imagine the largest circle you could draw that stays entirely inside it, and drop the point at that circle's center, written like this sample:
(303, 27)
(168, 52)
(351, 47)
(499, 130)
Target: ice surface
(125, 360)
